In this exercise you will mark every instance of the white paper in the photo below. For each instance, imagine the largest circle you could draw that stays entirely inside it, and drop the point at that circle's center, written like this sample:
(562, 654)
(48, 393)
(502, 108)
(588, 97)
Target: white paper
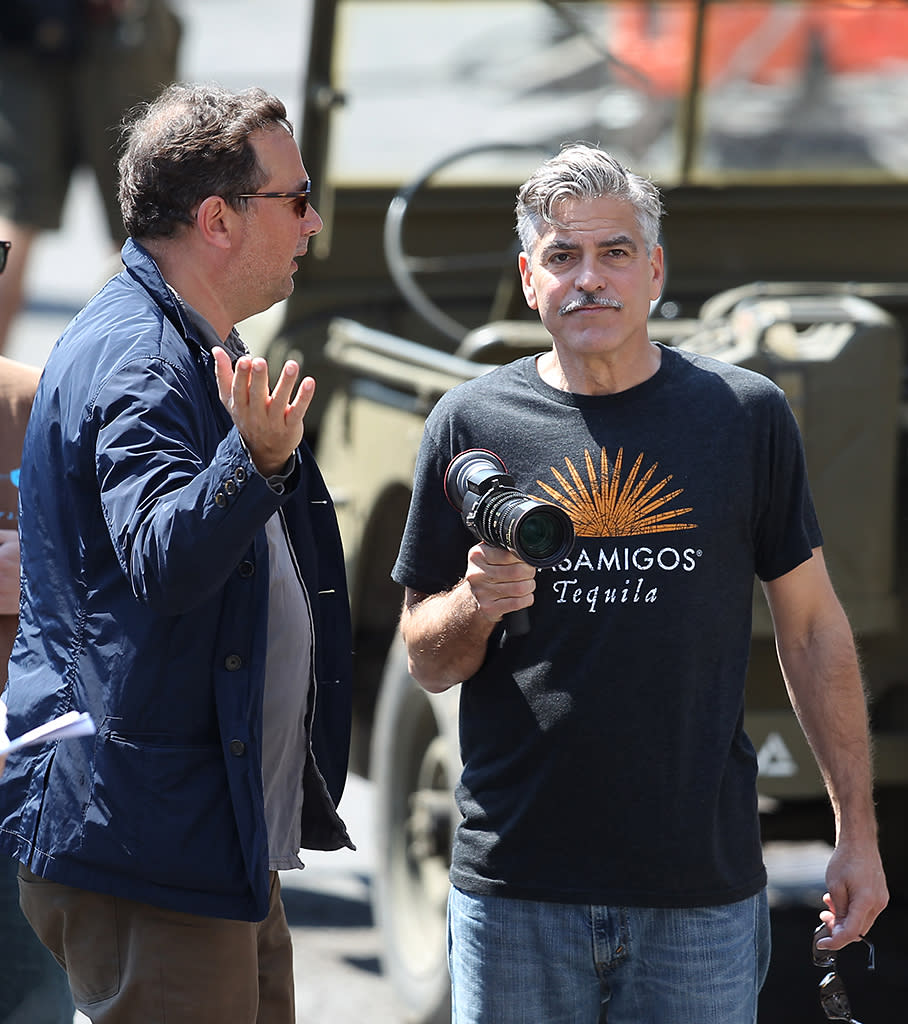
(72, 724)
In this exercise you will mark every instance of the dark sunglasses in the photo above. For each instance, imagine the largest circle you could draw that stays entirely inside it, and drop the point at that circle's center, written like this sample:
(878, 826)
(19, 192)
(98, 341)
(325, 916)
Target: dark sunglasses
(4, 252)
(833, 997)
(302, 198)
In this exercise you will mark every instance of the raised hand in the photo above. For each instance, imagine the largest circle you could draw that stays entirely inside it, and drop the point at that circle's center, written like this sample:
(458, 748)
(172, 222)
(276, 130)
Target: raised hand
(270, 422)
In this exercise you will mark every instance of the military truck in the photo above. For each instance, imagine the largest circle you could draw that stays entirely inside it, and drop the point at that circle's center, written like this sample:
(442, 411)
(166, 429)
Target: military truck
(777, 132)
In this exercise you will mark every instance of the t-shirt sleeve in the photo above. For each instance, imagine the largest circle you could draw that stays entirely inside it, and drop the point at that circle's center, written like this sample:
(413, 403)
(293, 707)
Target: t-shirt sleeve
(433, 551)
(787, 529)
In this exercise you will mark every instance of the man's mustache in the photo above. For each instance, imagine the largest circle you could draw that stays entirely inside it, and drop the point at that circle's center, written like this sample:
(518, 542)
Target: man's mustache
(589, 299)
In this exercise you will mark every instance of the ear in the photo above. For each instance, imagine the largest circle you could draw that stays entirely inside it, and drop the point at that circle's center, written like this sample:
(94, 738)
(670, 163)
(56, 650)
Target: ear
(657, 264)
(529, 292)
(215, 219)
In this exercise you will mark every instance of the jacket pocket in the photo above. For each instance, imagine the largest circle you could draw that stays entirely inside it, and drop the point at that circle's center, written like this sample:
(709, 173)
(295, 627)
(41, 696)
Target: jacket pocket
(163, 813)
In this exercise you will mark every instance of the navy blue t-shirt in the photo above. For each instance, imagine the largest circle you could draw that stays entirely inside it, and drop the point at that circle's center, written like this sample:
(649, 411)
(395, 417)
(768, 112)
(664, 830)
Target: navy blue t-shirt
(604, 755)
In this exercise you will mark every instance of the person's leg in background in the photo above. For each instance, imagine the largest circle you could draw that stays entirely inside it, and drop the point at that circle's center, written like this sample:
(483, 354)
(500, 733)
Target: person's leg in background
(60, 113)
(35, 162)
(124, 64)
(33, 986)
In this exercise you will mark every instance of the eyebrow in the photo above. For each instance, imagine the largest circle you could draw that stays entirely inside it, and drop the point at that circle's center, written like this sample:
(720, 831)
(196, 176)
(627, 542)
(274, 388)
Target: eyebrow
(562, 245)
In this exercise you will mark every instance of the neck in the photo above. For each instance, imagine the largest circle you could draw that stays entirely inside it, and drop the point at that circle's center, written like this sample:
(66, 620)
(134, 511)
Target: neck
(604, 374)
(194, 280)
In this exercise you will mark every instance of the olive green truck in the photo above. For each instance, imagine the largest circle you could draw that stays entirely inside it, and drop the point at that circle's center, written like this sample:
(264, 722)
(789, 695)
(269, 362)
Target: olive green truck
(777, 134)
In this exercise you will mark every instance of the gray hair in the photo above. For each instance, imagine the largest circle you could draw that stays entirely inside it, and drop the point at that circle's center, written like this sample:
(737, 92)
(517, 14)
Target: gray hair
(584, 171)
(190, 143)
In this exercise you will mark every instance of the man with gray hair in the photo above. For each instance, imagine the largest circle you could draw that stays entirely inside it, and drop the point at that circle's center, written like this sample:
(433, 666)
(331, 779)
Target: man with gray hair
(609, 854)
(183, 582)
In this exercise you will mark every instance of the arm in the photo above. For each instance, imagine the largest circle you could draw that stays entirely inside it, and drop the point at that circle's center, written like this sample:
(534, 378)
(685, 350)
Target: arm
(447, 633)
(178, 515)
(9, 572)
(820, 666)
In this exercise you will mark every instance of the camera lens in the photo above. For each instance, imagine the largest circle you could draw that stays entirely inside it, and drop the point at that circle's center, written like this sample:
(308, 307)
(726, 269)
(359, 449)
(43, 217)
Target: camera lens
(539, 533)
(480, 488)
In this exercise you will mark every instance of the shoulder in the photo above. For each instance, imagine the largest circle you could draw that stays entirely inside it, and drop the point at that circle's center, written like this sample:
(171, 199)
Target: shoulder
(699, 371)
(123, 323)
(497, 381)
(120, 353)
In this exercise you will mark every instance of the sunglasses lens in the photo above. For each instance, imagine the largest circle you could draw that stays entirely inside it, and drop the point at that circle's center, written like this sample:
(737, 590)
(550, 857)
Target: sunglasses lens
(834, 999)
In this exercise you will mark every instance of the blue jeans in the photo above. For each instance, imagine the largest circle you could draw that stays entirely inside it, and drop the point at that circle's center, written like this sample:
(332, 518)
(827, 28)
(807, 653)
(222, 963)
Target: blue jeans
(527, 962)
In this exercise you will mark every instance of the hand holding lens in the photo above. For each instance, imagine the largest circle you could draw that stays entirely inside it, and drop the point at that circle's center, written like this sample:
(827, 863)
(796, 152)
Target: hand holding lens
(478, 485)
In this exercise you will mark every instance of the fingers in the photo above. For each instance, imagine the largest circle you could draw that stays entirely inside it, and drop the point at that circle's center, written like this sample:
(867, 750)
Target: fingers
(500, 581)
(296, 409)
(223, 373)
(856, 894)
(284, 387)
(258, 391)
(250, 384)
(304, 395)
(851, 911)
(245, 387)
(840, 931)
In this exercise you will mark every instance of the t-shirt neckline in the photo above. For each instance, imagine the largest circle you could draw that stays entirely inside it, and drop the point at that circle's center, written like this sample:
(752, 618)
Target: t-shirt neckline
(642, 390)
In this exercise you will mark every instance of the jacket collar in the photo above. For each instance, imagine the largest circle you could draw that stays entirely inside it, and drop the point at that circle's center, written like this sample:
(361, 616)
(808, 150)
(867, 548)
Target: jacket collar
(141, 267)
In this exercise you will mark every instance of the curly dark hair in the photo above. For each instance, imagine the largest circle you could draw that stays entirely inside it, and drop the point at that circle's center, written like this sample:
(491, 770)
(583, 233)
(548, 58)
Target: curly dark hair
(190, 143)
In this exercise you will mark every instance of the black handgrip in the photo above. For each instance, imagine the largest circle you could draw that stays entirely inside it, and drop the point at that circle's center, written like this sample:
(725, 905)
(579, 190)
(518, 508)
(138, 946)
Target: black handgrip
(517, 623)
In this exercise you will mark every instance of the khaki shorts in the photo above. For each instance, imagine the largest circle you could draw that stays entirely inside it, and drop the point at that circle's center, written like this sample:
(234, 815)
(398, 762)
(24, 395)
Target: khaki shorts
(57, 114)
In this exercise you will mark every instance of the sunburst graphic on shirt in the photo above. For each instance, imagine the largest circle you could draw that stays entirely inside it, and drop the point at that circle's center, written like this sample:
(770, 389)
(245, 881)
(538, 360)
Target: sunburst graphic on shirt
(612, 503)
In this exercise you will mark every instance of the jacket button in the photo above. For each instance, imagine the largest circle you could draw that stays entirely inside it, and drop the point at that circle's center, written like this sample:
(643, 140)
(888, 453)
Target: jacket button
(246, 569)
(240, 475)
(237, 748)
(230, 487)
(220, 500)
(233, 662)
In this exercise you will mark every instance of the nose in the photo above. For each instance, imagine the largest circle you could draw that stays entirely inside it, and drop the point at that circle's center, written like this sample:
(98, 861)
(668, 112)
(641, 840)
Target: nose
(310, 223)
(590, 276)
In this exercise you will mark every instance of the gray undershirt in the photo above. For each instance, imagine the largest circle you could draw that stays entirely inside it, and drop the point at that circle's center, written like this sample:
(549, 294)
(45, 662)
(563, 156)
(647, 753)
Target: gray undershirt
(288, 674)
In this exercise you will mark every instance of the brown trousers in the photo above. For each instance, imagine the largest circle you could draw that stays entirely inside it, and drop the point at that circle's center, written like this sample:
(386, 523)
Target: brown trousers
(130, 962)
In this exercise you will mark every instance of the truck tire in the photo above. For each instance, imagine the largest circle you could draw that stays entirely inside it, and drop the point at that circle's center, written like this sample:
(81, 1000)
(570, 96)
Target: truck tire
(415, 764)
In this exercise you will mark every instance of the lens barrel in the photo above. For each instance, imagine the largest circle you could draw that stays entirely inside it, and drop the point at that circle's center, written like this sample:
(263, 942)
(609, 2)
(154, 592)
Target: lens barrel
(496, 512)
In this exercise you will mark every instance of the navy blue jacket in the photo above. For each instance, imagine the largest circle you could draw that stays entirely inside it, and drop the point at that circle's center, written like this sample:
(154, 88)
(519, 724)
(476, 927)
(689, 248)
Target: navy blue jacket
(145, 603)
